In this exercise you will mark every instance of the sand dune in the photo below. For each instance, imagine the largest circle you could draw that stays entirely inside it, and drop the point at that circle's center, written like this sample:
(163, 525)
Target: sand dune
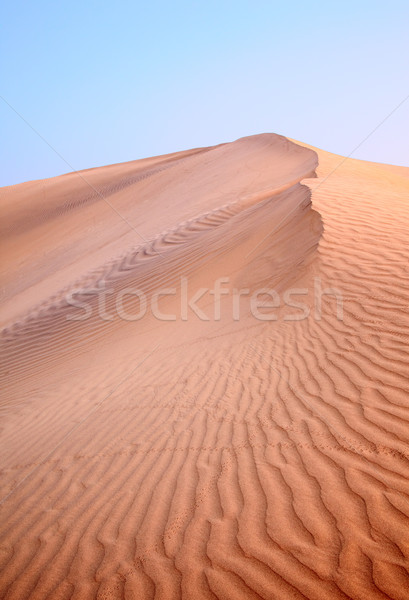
(232, 456)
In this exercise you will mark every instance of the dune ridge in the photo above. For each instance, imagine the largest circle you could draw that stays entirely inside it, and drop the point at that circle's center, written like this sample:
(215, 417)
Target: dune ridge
(208, 459)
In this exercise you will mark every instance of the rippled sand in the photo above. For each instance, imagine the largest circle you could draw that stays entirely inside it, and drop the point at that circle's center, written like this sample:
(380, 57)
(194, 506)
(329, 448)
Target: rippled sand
(207, 458)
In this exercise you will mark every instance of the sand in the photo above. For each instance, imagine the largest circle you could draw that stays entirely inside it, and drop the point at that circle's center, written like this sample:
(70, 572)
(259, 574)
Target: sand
(215, 457)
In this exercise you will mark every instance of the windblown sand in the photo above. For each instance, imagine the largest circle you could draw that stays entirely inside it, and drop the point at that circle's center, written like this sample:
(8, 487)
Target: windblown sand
(221, 458)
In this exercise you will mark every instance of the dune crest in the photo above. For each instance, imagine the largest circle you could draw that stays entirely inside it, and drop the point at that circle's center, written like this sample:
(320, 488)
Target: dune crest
(264, 456)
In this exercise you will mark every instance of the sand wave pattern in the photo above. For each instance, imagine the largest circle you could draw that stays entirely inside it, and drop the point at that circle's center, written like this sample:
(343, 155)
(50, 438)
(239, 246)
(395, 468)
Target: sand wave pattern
(200, 459)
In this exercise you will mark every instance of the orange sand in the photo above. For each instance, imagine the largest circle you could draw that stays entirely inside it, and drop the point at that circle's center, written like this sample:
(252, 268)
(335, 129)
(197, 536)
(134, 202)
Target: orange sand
(207, 459)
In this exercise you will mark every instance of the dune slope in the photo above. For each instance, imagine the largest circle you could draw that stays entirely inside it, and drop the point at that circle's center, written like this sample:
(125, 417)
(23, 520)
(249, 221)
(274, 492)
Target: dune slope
(210, 450)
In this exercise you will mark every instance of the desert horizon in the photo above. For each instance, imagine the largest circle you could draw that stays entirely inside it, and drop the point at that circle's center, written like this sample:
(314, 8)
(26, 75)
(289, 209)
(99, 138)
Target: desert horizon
(205, 378)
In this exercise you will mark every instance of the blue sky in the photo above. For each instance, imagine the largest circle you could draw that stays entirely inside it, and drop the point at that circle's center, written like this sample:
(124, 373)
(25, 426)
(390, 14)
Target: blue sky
(106, 83)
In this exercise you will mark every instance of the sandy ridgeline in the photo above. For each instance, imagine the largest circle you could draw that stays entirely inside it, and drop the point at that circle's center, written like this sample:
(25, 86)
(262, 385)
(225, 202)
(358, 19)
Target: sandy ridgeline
(205, 379)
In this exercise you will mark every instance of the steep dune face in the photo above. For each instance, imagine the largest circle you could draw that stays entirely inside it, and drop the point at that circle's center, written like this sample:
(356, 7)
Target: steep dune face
(217, 449)
(235, 211)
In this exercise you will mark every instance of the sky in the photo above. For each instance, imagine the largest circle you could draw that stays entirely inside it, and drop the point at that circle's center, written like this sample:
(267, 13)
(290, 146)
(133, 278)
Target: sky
(86, 84)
